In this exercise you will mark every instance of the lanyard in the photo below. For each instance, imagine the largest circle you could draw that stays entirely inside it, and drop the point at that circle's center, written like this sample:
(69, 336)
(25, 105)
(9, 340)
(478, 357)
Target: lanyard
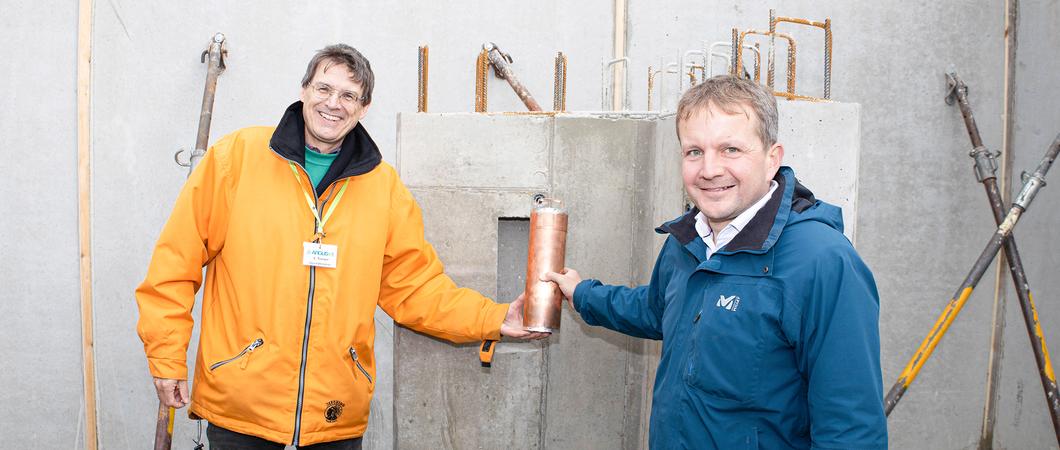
(313, 204)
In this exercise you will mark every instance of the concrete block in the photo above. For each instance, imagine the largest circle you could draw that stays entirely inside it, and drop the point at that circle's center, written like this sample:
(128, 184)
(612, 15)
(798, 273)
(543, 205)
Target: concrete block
(822, 142)
(618, 178)
(488, 151)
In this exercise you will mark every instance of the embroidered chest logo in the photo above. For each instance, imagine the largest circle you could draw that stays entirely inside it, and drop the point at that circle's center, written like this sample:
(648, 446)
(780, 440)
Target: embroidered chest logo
(334, 410)
(730, 303)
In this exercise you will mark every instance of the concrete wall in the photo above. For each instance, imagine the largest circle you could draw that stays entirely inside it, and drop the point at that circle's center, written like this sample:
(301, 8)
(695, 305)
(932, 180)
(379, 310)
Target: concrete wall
(922, 216)
(40, 343)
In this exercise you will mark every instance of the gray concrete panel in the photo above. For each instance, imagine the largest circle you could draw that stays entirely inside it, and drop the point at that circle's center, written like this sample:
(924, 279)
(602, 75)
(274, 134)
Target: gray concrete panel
(1023, 421)
(43, 391)
(596, 172)
(440, 159)
(822, 142)
(663, 193)
(441, 393)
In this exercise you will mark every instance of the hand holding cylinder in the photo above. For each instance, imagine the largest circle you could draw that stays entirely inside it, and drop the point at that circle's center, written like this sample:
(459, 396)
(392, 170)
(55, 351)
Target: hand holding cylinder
(548, 244)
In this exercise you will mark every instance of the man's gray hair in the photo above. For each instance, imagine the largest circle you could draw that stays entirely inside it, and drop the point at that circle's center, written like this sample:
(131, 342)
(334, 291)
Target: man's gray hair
(731, 94)
(352, 59)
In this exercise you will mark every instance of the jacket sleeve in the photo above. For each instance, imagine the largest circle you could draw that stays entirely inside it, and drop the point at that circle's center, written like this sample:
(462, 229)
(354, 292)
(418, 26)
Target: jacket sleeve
(415, 291)
(636, 311)
(191, 237)
(839, 354)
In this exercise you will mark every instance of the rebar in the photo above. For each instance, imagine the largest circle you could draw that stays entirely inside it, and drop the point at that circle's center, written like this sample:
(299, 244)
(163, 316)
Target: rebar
(607, 77)
(791, 58)
(481, 71)
(422, 88)
(559, 90)
(827, 27)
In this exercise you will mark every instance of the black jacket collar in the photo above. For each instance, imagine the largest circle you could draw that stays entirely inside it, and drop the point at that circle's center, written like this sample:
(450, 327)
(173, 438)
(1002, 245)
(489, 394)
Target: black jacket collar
(359, 154)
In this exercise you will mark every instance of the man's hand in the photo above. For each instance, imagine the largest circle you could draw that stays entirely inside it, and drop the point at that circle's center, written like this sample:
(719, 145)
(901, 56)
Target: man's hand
(513, 322)
(172, 392)
(567, 281)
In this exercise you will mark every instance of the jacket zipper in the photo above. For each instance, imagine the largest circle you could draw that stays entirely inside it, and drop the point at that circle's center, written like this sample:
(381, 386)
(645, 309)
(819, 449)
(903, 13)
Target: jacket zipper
(308, 320)
(248, 349)
(305, 336)
(353, 354)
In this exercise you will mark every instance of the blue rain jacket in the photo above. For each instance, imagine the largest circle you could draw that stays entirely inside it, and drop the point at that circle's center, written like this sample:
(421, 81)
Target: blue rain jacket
(772, 343)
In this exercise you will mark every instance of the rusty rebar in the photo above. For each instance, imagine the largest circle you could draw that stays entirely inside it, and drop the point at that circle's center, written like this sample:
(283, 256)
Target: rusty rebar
(791, 58)
(481, 71)
(559, 90)
(827, 27)
(422, 89)
(735, 53)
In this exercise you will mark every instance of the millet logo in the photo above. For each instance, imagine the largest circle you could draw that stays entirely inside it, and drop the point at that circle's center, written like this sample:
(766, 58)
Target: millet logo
(333, 411)
(730, 303)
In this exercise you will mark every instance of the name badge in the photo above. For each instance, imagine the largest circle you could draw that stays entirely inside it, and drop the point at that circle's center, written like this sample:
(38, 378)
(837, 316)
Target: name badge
(319, 255)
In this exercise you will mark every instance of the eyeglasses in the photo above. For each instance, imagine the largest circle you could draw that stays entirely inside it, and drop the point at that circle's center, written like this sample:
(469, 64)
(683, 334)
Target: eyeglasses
(324, 92)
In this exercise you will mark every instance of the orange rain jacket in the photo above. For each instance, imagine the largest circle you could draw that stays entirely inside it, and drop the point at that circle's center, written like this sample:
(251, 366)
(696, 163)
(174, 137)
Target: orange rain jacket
(286, 351)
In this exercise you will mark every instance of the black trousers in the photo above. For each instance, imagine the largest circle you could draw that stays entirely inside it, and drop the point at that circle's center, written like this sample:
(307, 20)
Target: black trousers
(222, 439)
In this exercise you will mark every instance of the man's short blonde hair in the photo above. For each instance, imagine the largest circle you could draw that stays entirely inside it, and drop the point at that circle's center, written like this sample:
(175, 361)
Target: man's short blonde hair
(732, 94)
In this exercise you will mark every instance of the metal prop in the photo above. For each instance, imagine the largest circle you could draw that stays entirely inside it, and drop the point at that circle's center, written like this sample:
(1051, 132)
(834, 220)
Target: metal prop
(1031, 184)
(502, 68)
(216, 53)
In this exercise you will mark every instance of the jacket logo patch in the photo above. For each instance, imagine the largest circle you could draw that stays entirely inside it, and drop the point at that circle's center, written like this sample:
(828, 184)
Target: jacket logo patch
(730, 303)
(333, 411)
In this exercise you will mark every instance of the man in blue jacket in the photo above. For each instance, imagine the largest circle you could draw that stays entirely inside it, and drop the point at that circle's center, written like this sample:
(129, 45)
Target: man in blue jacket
(769, 318)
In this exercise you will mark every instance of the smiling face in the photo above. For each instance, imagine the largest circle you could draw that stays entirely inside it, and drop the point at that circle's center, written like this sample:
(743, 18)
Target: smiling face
(331, 106)
(725, 166)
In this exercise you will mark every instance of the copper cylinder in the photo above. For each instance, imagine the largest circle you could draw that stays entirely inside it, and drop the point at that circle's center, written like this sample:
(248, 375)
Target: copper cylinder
(548, 245)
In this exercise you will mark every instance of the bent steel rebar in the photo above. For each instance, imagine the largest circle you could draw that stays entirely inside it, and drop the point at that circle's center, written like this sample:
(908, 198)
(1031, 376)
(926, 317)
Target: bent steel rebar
(791, 59)
(215, 54)
(727, 57)
(986, 173)
(607, 79)
(826, 26)
(1031, 185)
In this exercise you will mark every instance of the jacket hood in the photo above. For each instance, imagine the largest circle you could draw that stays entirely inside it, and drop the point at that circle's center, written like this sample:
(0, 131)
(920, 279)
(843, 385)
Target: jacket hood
(359, 153)
(791, 203)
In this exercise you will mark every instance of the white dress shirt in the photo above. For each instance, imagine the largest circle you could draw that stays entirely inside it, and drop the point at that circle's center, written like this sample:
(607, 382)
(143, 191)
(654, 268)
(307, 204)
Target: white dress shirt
(733, 228)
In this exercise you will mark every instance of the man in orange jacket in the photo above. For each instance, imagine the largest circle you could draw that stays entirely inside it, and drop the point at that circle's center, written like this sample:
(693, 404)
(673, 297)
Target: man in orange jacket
(303, 230)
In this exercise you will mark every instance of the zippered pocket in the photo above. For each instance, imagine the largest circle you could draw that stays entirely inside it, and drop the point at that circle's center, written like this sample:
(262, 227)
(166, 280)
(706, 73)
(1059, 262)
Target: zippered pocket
(353, 354)
(247, 350)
